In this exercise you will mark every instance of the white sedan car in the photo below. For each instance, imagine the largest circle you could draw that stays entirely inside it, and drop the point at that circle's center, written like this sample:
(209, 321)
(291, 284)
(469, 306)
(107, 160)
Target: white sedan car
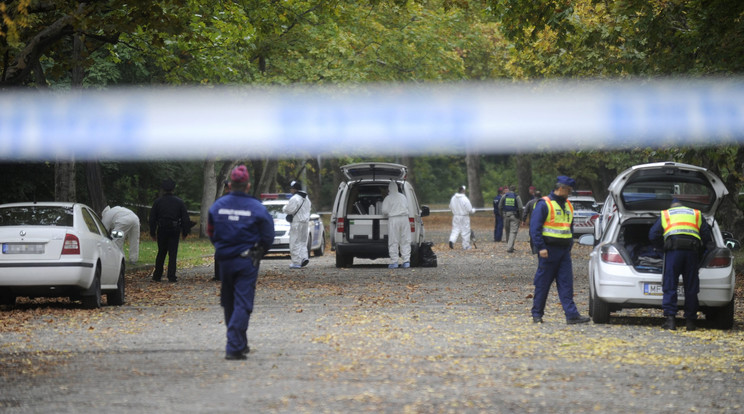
(316, 237)
(58, 249)
(585, 214)
(625, 269)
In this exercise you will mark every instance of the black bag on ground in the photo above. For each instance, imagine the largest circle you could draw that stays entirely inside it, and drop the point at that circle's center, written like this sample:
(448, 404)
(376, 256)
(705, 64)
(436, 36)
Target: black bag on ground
(427, 255)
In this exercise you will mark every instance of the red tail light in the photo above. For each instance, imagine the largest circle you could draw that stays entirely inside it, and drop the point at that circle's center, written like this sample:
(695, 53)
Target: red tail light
(340, 225)
(71, 245)
(413, 224)
(721, 259)
(611, 255)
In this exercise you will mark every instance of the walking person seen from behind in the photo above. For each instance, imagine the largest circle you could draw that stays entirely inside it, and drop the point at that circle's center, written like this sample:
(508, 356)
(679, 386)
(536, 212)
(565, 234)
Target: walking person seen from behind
(298, 208)
(510, 206)
(461, 211)
(551, 230)
(685, 234)
(241, 230)
(395, 208)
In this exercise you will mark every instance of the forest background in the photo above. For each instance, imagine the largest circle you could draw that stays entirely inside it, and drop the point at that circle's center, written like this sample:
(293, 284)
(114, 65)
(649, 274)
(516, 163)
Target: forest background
(65, 46)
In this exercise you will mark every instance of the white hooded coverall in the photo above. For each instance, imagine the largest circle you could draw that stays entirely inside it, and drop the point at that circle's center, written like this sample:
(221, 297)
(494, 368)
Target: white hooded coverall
(298, 230)
(124, 220)
(395, 208)
(461, 210)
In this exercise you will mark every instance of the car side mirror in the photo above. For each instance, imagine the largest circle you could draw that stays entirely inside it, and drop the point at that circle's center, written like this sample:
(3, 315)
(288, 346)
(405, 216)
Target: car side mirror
(424, 211)
(117, 234)
(586, 240)
(733, 244)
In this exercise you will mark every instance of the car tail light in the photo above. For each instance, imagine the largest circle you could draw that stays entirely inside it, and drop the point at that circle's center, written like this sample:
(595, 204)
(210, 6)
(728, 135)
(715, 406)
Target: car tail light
(413, 224)
(722, 258)
(71, 245)
(610, 254)
(340, 225)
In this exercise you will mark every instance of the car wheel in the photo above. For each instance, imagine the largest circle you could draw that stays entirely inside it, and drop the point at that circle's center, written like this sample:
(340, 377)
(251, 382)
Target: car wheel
(321, 249)
(723, 317)
(92, 298)
(7, 298)
(116, 297)
(600, 310)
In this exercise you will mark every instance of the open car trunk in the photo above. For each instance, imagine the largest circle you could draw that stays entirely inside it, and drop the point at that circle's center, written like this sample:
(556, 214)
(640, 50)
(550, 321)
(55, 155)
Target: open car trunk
(645, 256)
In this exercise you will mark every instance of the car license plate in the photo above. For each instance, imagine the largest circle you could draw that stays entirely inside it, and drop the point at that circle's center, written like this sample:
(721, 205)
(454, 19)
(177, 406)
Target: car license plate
(655, 289)
(20, 248)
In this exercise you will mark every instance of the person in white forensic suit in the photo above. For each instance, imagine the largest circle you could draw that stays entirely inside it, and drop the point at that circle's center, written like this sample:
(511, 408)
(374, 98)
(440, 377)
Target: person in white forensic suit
(124, 220)
(461, 211)
(395, 208)
(299, 207)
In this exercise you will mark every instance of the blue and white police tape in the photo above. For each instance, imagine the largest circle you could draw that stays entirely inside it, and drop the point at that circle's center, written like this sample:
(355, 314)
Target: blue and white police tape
(245, 122)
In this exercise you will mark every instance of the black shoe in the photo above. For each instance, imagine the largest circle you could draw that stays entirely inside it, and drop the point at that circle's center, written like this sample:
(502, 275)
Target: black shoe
(305, 262)
(235, 356)
(537, 319)
(246, 351)
(577, 319)
(691, 325)
(510, 250)
(156, 279)
(670, 323)
(172, 280)
(452, 245)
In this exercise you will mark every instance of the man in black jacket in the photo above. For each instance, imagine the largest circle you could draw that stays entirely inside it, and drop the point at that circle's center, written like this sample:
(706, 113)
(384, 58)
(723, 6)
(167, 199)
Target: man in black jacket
(168, 221)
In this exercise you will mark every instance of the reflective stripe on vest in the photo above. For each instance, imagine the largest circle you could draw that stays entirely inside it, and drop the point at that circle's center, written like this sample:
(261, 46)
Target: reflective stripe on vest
(681, 221)
(558, 222)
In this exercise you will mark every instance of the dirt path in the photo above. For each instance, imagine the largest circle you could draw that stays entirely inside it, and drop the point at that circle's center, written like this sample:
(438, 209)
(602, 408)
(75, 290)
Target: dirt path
(456, 338)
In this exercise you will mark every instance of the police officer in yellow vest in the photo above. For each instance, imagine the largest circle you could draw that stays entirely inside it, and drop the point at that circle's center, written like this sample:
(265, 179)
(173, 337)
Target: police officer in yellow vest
(685, 233)
(551, 230)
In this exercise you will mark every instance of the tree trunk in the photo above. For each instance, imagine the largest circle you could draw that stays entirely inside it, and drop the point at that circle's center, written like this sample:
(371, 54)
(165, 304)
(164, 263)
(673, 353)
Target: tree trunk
(409, 162)
(267, 181)
(64, 180)
(524, 176)
(472, 163)
(94, 178)
(314, 182)
(209, 194)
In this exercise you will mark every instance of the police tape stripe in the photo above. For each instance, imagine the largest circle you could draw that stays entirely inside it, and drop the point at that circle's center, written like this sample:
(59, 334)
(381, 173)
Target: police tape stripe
(192, 123)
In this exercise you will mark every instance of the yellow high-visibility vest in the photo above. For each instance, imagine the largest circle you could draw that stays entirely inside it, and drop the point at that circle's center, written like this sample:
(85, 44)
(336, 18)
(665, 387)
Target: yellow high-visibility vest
(681, 221)
(558, 222)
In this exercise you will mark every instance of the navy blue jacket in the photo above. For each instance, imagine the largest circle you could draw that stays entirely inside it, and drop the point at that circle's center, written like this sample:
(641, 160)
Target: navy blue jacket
(236, 223)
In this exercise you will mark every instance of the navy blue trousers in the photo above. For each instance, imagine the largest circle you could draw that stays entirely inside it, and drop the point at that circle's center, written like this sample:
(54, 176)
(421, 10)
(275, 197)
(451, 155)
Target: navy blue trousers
(685, 263)
(236, 297)
(556, 267)
(498, 230)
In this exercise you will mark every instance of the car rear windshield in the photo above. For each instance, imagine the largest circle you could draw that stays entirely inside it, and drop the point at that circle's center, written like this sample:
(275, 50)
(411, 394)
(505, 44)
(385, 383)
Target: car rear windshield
(655, 190)
(583, 205)
(36, 216)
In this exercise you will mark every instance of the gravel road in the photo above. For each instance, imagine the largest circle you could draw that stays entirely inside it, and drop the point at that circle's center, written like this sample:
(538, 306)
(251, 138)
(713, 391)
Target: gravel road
(456, 338)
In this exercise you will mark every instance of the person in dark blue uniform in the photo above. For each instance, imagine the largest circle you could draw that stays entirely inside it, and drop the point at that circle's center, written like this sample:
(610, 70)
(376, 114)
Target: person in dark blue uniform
(685, 233)
(551, 230)
(498, 228)
(169, 220)
(241, 230)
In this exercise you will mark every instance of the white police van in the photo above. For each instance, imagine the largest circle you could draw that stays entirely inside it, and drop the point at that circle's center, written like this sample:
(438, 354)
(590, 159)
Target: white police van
(358, 228)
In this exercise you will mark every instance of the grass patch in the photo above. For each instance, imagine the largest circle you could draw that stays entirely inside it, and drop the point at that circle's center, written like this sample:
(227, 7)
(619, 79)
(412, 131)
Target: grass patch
(193, 251)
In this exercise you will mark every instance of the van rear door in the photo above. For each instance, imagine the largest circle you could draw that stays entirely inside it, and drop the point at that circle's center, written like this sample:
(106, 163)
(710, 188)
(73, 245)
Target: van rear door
(375, 171)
